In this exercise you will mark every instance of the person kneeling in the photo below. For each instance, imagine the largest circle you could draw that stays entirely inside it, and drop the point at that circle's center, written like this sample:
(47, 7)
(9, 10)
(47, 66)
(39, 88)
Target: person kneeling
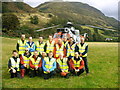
(25, 60)
(76, 65)
(35, 65)
(14, 65)
(63, 66)
(49, 65)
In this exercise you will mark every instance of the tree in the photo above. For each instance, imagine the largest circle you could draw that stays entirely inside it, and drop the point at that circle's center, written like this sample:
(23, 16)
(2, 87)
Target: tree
(34, 20)
(9, 22)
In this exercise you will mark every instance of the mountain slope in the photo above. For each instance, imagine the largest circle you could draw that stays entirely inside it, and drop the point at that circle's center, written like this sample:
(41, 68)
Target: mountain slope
(24, 12)
(18, 7)
(78, 13)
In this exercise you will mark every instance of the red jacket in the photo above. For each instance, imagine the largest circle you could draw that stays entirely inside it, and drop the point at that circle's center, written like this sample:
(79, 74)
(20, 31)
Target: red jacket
(72, 64)
(32, 66)
(21, 60)
(64, 51)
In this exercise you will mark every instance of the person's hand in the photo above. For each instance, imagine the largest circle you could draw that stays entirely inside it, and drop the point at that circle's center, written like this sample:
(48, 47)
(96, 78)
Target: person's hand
(14, 71)
(48, 71)
(24, 65)
(77, 70)
(80, 54)
(36, 67)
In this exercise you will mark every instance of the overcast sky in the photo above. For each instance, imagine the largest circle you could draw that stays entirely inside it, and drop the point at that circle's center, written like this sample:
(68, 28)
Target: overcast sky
(108, 7)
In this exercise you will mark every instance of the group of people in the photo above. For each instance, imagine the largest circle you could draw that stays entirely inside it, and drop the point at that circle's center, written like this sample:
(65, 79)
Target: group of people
(48, 58)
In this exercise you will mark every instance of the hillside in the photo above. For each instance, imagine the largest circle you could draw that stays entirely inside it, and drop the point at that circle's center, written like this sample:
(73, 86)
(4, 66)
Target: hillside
(54, 13)
(18, 7)
(78, 13)
(24, 12)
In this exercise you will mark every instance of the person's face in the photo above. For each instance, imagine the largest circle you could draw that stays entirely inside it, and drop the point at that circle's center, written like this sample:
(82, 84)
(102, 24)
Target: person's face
(59, 41)
(41, 39)
(30, 40)
(23, 37)
(61, 56)
(50, 54)
(15, 54)
(50, 38)
(76, 55)
(65, 39)
(82, 40)
(43, 54)
(71, 39)
(36, 54)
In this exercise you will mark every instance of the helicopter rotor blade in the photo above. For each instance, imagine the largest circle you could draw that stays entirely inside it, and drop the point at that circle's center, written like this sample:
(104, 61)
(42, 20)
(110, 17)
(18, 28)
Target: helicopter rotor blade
(47, 28)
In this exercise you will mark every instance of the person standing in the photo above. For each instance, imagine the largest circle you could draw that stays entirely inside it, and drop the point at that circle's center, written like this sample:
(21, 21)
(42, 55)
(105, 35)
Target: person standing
(71, 48)
(59, 48)
(49, 46)
(65, 42)
(21, 45)
(40, 46)
(25, 60)
(31, 45)
(49, 66)
(83, 49)
(14, 65)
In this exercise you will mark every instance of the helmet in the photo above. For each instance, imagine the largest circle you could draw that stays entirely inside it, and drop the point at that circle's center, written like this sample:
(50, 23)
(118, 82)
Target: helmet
(70, 23)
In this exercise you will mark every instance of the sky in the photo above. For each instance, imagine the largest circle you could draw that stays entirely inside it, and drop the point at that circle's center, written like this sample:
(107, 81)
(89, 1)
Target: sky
(108, 7)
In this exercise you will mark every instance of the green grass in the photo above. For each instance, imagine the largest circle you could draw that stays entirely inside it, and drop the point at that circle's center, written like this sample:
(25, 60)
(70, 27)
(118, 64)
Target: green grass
(103, 64)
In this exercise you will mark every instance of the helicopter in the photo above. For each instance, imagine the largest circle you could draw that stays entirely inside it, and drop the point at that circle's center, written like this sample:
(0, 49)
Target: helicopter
(68, 31)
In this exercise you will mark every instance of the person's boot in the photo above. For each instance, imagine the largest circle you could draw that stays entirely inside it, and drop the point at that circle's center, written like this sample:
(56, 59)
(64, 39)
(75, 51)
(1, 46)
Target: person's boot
(12, 75)
(67, 75)
(22, 73)
(32, 73)
(18, 74)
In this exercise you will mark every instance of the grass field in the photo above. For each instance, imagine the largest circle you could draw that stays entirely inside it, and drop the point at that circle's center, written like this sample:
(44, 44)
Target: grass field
(103, 64)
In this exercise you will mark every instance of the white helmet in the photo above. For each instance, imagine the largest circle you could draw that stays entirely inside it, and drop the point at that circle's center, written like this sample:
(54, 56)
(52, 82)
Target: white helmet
(69, 23)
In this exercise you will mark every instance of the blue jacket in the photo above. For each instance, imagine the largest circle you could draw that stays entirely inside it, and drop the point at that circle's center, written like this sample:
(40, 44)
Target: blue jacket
(45, 69)
(32, 46)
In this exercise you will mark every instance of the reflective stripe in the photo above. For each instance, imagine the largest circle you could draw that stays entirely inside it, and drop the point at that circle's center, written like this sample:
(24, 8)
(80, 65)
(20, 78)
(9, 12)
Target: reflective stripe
(82, 49)
(76, 63)
(40, 47)
(35, 63)
(71, 50)
(63, 65)
(59, 49)
(50, 46)
(27, 60)
(22, 46)
(49, 64)
(28, 46)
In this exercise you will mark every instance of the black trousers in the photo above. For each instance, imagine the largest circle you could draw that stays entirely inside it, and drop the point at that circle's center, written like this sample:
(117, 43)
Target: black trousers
(49, 75)
(34, 72)
(86, 64)
(77, 73)
(17, 74)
